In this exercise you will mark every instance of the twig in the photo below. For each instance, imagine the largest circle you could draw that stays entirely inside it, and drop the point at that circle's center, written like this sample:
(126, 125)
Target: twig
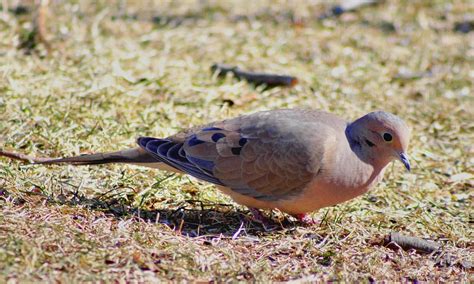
(22, 157)
(257, 78)
(40, 23)
(29, 40)
(237, 233)
(396, 240)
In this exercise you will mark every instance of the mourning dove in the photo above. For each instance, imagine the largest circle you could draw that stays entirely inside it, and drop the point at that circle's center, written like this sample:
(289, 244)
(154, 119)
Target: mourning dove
(293, 160)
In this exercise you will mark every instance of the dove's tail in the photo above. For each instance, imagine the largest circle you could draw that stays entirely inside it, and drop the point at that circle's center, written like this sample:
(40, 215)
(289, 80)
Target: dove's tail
(129, 156)
(135, 156)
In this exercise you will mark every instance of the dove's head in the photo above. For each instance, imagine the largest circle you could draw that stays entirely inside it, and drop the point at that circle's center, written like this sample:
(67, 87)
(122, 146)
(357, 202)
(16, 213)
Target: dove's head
(382, 137)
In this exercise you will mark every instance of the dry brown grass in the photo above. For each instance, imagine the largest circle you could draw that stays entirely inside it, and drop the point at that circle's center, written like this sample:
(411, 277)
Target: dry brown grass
(114, 74)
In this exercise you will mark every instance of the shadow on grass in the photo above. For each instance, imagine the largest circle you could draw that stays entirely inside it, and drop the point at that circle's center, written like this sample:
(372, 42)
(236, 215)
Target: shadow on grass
(191, 218)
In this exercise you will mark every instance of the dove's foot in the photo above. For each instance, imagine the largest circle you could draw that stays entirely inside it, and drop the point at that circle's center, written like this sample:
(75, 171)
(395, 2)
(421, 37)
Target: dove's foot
(259, 217)
(306, 219)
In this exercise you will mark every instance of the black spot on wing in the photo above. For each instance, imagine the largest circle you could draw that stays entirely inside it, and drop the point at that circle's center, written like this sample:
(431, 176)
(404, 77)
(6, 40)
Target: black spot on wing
(216, 136)
(236, 150)
(193, 141)
(242, 142)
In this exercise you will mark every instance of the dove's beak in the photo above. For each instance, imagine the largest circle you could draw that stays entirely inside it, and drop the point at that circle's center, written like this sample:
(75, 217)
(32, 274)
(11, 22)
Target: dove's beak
(404, 159)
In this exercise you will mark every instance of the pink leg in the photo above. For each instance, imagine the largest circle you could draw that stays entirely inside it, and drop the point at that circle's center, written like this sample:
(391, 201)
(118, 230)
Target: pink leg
(305, 219)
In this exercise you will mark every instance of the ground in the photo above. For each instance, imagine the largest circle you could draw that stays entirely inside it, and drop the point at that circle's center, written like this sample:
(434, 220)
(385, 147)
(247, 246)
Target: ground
(110, 71)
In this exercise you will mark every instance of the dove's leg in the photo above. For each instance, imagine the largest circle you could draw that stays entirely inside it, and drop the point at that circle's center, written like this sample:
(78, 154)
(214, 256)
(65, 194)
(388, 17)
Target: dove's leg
(305, 219)
(259, 217)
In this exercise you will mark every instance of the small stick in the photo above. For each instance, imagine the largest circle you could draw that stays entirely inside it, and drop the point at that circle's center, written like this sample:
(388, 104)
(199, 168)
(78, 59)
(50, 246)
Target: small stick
(257, 78)
(40, 22)
(22, 157)
(395, 240)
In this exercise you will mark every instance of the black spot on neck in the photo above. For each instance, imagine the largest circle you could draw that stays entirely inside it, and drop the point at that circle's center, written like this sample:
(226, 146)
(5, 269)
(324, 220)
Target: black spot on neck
(369, 143)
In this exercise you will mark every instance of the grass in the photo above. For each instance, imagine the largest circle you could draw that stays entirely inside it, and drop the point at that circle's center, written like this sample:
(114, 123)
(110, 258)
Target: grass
(118, 72)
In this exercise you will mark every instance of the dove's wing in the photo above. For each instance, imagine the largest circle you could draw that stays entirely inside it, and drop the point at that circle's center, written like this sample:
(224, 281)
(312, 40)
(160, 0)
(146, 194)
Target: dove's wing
(267, 155)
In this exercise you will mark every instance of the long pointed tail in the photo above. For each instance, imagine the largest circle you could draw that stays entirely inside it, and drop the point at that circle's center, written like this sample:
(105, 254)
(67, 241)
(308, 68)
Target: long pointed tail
(129, 156)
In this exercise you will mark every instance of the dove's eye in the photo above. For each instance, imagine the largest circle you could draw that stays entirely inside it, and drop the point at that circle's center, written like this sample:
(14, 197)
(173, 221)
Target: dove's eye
(387, 137)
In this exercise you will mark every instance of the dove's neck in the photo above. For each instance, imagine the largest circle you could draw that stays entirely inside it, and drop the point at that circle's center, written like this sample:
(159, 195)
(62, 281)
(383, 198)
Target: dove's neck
(365, 151)
(362, 160)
